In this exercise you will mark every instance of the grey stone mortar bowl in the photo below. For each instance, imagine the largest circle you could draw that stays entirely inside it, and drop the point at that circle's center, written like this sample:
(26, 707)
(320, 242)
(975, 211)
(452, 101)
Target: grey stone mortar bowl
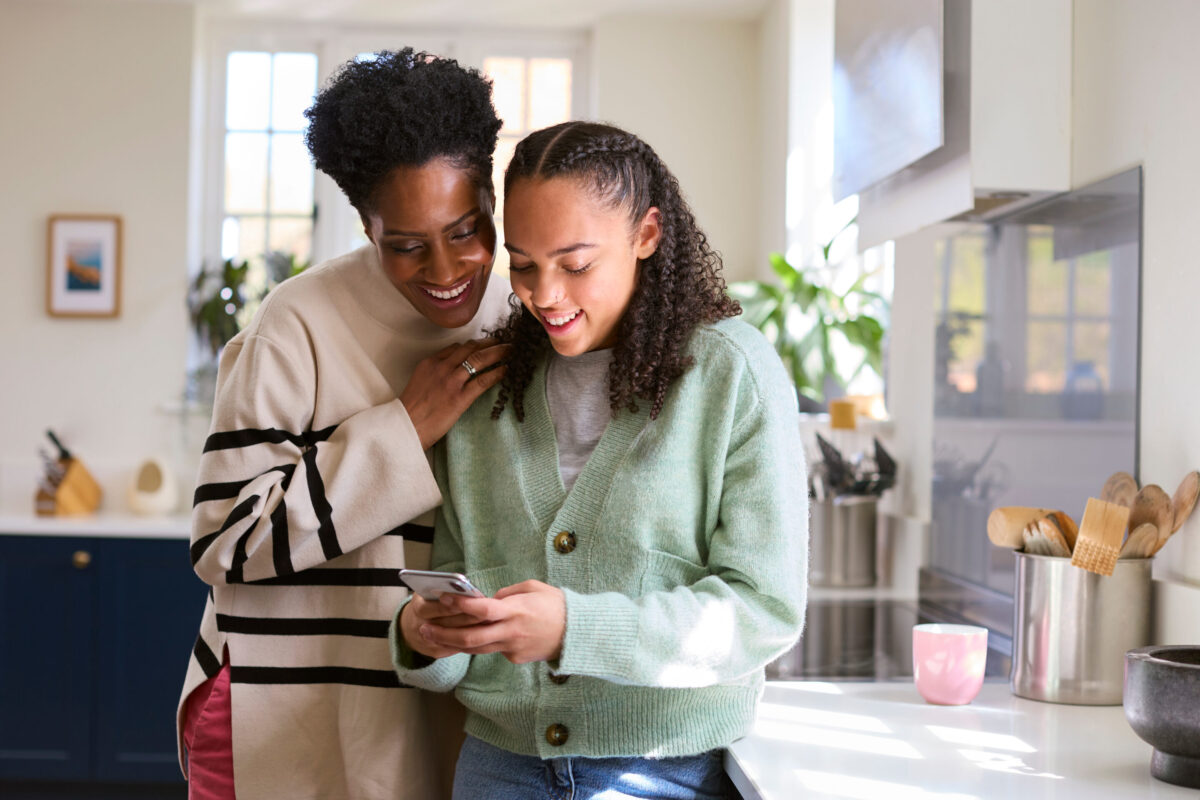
(1162, 705)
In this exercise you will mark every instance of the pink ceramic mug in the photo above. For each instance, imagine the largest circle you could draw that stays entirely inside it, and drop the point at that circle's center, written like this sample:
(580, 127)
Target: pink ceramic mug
(948, 662)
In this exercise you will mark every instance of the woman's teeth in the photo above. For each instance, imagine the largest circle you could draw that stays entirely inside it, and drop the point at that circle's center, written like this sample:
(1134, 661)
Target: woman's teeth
(561, 320)
(448, 294)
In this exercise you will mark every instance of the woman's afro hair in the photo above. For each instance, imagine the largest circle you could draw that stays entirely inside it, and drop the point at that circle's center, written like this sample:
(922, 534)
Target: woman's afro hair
(401, 109)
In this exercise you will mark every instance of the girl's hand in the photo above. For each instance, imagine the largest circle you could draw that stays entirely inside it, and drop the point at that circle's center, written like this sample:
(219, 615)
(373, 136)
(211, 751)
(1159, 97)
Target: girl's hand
(419, 612)
(441, 389)
(525, 622)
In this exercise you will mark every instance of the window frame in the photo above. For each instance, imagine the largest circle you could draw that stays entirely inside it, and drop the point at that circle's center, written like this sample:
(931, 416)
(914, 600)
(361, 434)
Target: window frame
(333, 44)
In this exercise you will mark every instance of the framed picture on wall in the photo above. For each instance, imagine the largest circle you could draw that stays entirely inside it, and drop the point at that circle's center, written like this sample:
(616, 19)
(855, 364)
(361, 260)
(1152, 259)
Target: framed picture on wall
(83, 266)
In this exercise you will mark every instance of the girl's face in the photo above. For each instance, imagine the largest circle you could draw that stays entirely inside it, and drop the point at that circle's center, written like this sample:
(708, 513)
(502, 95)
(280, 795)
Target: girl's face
(574, 261)
(433, 230)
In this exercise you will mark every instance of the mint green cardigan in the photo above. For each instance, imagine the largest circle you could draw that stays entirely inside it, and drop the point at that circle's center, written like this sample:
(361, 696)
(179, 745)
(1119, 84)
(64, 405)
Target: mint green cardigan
(688, 572)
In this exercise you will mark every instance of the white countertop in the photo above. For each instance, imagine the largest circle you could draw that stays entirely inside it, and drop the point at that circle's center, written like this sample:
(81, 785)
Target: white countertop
(125, 525)
(881, 740)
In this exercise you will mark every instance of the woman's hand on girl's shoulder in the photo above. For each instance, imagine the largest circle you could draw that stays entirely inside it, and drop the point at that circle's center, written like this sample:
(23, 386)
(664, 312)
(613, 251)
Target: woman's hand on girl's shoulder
(442, 388)
(524, 622)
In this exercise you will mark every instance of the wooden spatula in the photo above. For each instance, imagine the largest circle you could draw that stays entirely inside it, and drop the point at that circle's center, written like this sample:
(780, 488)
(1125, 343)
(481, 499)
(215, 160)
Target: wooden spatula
(1100, 533)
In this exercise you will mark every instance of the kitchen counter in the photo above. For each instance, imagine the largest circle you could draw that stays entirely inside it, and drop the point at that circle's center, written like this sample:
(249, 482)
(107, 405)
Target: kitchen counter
(881, 740)
(125, 525)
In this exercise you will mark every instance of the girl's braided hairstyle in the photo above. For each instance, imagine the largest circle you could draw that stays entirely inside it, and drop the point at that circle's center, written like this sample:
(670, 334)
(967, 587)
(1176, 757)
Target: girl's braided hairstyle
(678, 288)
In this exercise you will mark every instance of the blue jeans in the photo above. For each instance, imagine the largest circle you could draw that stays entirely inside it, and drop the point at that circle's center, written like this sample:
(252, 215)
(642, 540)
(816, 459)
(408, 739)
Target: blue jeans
(489, 773)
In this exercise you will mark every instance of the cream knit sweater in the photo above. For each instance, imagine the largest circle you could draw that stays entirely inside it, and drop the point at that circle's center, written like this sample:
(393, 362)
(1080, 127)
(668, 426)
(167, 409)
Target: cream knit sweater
(309, 475)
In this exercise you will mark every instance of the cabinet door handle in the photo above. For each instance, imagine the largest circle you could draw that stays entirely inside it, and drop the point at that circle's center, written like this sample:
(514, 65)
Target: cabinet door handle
(81, 559)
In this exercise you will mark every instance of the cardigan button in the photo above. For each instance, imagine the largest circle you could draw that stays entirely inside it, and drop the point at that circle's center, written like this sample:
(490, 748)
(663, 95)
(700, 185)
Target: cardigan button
(564, 542)
(557, 678)
(557, 735)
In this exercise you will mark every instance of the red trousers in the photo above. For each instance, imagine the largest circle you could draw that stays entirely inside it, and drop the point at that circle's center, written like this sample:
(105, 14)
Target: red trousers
(208, 739)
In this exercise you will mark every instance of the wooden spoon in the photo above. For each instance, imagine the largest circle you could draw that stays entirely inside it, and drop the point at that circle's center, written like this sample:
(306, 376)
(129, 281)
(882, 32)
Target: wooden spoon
(1055, 541)
(1151, 504)
(1006, 524)
(1067, 526)
(1142, 542)
(1120, 489)
(1184, 500)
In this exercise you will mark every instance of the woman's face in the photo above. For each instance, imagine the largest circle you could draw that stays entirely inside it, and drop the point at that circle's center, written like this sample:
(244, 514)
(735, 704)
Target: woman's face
(433, 229)
(574, 262)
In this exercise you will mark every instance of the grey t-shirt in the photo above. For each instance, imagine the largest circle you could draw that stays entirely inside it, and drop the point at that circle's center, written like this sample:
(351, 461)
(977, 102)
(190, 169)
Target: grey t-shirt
(577, 392)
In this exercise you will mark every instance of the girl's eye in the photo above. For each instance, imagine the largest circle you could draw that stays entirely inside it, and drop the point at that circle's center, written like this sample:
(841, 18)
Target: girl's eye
(405, 250)
(520, 267)
(578, 270)
(458, 237)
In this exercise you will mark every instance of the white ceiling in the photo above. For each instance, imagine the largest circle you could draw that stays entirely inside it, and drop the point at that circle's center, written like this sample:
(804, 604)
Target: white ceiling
(474, 13)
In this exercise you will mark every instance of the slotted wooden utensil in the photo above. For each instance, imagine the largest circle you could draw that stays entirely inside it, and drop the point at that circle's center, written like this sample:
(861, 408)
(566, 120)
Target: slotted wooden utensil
(1100, 534)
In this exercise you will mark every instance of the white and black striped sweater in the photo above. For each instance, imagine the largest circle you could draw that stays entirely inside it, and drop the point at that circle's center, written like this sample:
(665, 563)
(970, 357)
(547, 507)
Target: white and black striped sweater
(310, 485)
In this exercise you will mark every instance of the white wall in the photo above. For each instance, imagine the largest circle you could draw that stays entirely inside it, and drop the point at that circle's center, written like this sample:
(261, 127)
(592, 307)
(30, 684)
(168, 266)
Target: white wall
(689, 87)
(95, 100)
(1135, 68)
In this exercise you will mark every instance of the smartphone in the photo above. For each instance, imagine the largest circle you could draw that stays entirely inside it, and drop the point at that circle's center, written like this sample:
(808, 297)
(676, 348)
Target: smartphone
(432, 585)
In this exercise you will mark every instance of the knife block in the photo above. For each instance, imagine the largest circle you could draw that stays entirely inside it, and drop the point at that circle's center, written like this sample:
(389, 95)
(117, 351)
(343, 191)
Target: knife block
(76, 493)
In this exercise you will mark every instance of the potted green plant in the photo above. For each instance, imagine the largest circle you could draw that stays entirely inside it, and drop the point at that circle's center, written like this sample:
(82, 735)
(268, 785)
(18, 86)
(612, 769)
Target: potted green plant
(825, 337)
(221, 302)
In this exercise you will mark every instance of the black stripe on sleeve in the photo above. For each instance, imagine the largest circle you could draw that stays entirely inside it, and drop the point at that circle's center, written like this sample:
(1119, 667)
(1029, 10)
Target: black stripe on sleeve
(370, 576)
(247, 437)
(316, 626)
(239, 513)
(413, 533)
(320, 504)
(352, 676)
(226, 491)
(234, 573)
(218, 491)
(206, 658)
(281, 548)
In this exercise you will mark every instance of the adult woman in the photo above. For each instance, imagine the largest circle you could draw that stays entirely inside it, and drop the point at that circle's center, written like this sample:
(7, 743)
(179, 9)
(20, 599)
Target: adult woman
(314, 473)
(645, 551)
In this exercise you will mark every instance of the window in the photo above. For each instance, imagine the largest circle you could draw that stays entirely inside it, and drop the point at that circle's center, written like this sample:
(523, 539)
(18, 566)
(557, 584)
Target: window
(267, 202)
(261, 193)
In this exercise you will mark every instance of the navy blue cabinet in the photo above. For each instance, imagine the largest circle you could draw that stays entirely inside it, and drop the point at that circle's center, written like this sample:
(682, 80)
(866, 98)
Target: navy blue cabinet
(95, 634)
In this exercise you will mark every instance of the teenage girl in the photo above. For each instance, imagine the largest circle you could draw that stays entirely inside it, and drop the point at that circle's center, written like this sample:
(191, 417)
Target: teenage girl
(631, 498)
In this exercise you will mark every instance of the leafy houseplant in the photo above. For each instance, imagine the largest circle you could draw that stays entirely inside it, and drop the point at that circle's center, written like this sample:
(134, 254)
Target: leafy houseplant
(825, 337)
(221, 302)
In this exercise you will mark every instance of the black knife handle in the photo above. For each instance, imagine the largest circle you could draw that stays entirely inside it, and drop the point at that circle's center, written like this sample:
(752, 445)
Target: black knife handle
(63, 452)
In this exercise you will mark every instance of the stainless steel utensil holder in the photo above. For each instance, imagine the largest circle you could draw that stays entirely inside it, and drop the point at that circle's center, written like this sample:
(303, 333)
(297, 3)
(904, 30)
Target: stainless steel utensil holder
(842, 541)
(1071, 629)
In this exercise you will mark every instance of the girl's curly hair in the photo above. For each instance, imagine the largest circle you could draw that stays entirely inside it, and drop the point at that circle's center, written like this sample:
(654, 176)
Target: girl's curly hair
(401, 109)
(678, 288)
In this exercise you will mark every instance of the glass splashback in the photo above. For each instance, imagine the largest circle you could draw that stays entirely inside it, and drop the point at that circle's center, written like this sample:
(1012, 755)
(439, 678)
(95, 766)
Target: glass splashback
(1036, 366)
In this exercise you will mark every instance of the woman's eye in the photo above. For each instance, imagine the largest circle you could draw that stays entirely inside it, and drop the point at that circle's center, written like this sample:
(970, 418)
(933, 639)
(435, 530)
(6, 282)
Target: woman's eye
(405, 250)
(463, 235)
(520, 267)
(578, 270)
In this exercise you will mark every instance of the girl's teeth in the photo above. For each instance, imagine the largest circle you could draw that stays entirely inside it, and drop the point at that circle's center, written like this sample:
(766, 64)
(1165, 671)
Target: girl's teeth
(451, 294)
(560, 321)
